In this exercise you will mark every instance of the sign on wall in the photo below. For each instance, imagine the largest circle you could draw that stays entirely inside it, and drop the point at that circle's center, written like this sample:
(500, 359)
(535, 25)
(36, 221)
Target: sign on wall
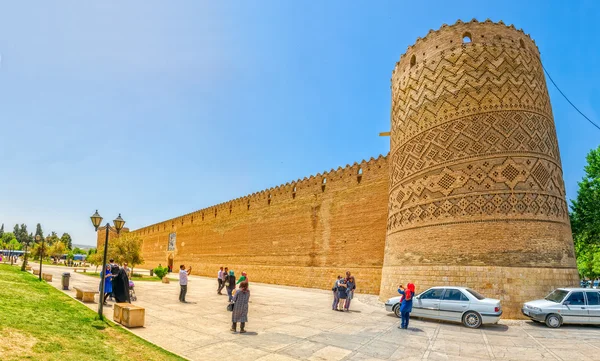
(171, 242)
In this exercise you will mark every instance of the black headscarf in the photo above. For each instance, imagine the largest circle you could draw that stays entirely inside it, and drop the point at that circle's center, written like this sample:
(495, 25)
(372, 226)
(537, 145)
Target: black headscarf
(120, 285)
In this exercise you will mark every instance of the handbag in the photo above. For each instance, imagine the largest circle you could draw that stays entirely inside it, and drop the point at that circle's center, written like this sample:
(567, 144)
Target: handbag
(230, 307)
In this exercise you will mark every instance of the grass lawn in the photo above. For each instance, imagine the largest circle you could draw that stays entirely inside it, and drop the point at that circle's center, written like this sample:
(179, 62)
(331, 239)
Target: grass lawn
(38, 322)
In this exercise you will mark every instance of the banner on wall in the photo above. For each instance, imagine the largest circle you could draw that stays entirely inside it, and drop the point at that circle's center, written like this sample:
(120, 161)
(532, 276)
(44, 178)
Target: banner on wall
(171, 242)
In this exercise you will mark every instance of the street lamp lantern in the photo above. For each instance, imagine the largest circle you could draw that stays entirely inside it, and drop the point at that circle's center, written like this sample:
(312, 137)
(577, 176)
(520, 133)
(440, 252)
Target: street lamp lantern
(97, 219)
(119, 222)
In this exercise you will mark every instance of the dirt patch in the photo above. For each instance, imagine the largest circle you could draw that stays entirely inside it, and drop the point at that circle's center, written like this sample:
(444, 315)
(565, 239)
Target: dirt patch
(16, 345)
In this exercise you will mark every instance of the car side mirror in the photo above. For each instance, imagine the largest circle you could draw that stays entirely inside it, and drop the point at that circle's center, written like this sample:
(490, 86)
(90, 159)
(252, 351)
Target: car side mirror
(566, 303)
(417, 297)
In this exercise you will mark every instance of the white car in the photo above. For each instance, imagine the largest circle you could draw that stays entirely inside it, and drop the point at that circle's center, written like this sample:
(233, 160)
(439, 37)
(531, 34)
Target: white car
(566, 305)
(448, 303)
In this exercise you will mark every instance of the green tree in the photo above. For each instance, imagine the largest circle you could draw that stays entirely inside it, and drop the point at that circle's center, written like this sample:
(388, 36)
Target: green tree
(2, 230)
(66, 239)
(57, 250)
(7, 237)
(16, 231)
(78, 250)
(23, 235)
(94, 259)
(127, 248)
(53, 238)
(14, 244)
(585, 218)
(38, 231)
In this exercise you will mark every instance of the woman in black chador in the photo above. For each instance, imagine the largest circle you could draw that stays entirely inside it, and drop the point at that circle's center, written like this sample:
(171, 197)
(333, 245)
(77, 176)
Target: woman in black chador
(120, 284)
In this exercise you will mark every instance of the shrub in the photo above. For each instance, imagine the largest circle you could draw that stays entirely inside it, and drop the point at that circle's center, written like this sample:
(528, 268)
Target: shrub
(160, 272)
(136, 275)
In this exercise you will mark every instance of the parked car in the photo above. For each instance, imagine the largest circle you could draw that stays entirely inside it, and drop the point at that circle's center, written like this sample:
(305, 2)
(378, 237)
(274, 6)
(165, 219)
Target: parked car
(565, 305)
(457, 304)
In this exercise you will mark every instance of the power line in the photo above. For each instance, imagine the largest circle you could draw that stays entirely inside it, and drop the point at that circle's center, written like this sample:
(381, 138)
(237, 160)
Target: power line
(563, 94)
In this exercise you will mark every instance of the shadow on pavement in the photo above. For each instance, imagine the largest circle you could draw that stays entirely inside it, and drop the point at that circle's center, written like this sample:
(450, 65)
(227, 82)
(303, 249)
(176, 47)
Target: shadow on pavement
(495, 328)
(248, 333)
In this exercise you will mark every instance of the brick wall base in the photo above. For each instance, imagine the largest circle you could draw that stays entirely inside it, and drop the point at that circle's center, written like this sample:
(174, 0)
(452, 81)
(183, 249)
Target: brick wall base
(367, 278)
(511, 285)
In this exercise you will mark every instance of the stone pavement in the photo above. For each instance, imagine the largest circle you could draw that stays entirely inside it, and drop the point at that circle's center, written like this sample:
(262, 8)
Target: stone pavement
(287, 323)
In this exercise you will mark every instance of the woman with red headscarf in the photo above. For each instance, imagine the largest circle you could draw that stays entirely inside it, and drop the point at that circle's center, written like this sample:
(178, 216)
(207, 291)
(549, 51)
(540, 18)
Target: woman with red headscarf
(406, 306)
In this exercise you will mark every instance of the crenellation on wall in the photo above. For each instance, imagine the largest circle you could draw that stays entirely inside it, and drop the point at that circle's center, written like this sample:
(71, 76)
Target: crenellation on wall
(314, 230)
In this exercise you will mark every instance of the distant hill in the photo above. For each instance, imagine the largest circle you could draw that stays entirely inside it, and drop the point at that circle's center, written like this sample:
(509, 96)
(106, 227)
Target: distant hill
(83, 246)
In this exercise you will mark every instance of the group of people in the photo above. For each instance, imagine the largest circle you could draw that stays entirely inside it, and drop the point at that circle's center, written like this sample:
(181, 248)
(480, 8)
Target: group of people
(116, 282)
(343, 292)
(226, 279)
(237, 299)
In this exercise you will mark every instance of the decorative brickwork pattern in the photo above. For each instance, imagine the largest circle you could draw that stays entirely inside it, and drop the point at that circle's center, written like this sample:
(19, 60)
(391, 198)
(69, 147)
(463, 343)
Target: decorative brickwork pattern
(475, 171)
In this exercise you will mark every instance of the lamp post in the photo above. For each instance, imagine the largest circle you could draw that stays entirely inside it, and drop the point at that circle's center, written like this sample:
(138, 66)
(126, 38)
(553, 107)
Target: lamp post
(96, 220)
(40, 239)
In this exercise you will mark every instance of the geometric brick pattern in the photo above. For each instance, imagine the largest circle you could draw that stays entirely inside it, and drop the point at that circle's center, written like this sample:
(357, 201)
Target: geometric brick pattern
(473, 136)
(475, 171)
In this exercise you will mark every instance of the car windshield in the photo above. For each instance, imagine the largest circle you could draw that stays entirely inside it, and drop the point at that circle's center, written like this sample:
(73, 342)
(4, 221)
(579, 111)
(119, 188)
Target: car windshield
(476, 294)
(557, 296)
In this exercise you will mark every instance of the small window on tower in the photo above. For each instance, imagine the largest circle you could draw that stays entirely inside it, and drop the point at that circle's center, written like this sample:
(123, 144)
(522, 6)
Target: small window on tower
(294, 193)
(522, 43)
(413, 61)
(359, 175)
(466, 38)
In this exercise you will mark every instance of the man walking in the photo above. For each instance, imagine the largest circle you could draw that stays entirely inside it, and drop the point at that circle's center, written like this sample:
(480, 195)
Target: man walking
(224, 276)
(220, 280)
(183, 280)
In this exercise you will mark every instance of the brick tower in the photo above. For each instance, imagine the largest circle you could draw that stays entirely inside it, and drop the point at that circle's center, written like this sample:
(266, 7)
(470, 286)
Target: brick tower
(476, 193)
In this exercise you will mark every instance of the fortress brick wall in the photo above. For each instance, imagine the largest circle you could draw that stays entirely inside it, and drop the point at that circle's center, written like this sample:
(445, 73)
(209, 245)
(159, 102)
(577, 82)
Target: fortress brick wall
(471, 193)
(477, 196)
(303, 233)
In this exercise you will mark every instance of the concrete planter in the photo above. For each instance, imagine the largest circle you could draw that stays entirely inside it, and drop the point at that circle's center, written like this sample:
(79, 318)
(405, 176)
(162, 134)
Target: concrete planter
(47, 277)
(165, 280)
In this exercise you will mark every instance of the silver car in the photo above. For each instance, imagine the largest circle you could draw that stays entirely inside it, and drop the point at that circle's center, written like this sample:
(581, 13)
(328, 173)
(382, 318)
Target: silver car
(566, 305)
(447, 303)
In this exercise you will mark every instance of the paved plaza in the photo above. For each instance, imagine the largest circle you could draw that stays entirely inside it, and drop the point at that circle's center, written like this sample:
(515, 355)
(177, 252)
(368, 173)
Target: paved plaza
(287, 323)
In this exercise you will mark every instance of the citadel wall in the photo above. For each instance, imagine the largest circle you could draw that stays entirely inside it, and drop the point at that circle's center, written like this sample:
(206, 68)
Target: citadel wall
(471, 193)
(476, 190)
(302, 233)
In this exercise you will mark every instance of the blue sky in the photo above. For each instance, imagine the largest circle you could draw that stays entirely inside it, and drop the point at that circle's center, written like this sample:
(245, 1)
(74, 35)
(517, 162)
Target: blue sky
(155, 108)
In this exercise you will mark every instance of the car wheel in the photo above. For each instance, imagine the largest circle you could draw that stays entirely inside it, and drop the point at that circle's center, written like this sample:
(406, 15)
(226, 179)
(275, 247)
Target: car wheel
(397, 311)
(472, 319)
(553, 321)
